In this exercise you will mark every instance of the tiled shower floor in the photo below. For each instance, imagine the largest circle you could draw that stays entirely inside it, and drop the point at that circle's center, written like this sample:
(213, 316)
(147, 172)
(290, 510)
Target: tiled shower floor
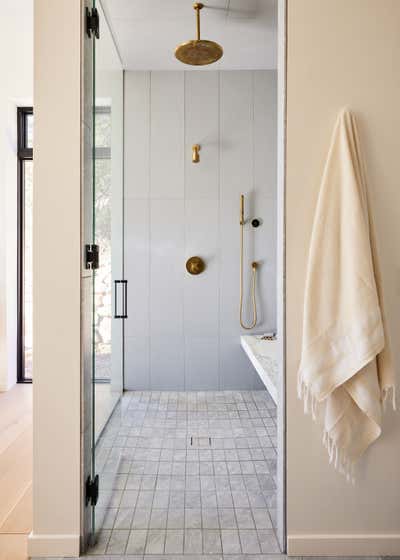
(189, 473)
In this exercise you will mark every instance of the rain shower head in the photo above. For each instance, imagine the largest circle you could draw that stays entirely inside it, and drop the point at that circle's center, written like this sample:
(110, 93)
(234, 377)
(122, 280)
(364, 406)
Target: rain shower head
(198, 52)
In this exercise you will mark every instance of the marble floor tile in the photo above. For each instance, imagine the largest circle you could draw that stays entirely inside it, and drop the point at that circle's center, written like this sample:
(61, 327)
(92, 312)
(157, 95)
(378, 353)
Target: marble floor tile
(189, 474)
(118, 541)
(136, 542)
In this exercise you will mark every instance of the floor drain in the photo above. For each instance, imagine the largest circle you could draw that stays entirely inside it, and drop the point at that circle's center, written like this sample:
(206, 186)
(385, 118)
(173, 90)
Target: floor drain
(200, 442)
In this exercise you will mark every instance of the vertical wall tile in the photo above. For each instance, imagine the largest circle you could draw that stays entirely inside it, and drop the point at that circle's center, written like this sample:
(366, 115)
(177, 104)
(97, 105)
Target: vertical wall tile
(201, 313)
(201, 363)
(265, 133)
(202, 127)
(265, 185)
(201, 292)
(236, 371)
(167, 267)
(137, 134)
(236, 177)
(137, 363)
(137, 265)
(167, 363)
(236, 133)
(167, 135)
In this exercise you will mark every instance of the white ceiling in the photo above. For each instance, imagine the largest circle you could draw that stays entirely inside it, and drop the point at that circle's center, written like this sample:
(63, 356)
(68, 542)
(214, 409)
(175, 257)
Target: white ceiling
(147, 31)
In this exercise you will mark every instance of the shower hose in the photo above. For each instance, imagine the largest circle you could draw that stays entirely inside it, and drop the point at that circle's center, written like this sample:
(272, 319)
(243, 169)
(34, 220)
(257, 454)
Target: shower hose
(253, 284)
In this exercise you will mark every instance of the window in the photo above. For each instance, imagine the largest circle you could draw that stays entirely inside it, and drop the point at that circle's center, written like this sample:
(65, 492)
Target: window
(25, 193)
(103, 281)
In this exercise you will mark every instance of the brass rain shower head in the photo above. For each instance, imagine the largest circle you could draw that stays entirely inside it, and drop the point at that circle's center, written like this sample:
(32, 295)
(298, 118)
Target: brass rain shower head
(198, 52)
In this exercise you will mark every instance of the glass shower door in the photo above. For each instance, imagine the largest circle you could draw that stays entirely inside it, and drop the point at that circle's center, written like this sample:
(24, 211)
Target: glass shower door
(108, 286)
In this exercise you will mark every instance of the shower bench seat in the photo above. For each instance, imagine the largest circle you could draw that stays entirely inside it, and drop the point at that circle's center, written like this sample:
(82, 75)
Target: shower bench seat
(263, 355)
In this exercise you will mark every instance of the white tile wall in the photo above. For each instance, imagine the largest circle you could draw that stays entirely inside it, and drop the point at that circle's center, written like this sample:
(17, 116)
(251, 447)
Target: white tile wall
(137, 134)
(166, 134)
(166, 273)
(202, 127)
(137, 265)
(167, 362)
(183, 331)
(137, 361)
(236, 134)
(201, 293)
(201, 362)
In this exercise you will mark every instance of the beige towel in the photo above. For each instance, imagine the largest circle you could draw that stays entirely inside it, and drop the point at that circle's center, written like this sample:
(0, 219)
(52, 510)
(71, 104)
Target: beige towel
(343, 329)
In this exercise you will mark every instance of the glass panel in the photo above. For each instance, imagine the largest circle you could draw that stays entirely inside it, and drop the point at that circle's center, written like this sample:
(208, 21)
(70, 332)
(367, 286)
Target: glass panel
(29, 131)
(107, 375)
(27, 267)
(108, 204)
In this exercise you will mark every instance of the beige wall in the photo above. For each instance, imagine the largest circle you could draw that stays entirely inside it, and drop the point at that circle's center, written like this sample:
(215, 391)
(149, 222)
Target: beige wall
(341, 52)
(56, 295)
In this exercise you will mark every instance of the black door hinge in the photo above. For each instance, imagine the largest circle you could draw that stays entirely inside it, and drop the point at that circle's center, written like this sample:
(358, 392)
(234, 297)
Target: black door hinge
(92, 490)
(92, 23)
(91, 257)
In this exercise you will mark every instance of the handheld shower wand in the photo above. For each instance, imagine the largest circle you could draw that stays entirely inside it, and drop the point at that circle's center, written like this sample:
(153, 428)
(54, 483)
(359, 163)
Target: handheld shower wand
(254, 273)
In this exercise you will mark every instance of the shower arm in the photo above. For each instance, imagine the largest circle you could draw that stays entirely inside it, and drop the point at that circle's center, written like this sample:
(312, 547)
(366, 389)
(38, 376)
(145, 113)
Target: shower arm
(254, 273)
(198, 6)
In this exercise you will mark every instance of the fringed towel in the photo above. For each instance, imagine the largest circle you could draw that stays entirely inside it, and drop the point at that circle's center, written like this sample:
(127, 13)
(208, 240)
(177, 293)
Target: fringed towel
(345, 363)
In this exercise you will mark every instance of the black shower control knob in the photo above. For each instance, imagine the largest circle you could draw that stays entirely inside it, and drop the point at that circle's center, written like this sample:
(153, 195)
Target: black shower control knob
(255, 222)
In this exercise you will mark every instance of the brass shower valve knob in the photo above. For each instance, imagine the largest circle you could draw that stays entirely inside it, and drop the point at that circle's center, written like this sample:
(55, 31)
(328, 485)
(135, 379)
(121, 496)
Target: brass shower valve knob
(195, 265)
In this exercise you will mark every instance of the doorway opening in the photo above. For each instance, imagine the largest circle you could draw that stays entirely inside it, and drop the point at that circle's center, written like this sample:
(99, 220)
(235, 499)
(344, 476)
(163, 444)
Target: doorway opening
(190, 455)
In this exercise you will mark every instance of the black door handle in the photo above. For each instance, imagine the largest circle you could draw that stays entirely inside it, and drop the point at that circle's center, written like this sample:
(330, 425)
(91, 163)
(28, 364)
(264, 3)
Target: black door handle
(118, 284)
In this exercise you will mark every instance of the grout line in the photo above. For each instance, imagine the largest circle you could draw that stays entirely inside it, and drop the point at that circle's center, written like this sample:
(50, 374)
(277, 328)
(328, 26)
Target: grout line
(184, 230)
(219, 231)
(149, 214)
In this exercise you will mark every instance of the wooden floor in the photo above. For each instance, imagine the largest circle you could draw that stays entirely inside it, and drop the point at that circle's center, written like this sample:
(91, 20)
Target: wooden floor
(15, 471)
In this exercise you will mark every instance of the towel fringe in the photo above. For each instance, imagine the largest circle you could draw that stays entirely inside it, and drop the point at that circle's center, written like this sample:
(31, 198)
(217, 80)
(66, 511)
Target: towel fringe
(310, 402)
(339, 458)
(337, 455)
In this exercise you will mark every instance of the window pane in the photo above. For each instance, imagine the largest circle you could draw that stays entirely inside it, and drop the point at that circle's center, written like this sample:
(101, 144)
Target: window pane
(27, 264)
(103, 281)
(103, 128)
(29, 131)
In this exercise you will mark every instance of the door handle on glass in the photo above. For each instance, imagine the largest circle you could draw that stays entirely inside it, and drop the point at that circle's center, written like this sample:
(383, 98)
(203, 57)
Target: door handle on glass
(121, 288)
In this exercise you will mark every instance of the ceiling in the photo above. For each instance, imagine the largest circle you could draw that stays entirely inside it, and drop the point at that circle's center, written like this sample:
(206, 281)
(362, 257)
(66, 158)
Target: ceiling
(146, 32)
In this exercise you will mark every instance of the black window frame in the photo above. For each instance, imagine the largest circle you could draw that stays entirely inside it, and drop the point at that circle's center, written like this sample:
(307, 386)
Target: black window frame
(24, 153)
